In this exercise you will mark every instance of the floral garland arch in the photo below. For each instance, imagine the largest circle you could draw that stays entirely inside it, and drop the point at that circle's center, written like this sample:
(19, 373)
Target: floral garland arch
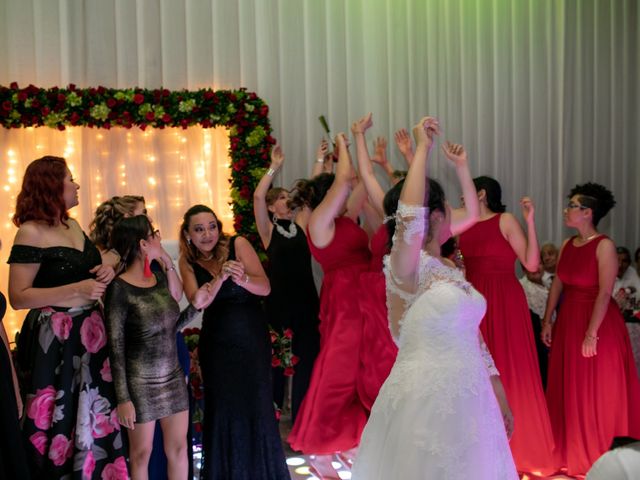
(244, 113)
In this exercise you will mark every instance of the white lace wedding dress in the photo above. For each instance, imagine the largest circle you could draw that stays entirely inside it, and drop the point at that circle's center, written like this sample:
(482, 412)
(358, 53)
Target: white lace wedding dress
(436, 417)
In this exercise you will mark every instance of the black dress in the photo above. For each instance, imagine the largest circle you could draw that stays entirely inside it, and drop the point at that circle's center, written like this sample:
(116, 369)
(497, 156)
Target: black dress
(240, 431)
(71, 427)
(293, 303)
(13, 462)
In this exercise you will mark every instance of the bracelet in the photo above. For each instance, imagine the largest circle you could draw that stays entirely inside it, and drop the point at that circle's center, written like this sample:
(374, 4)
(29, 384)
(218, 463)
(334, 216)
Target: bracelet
(320, 159)
(246, 278)
(270, 172)
(591, 337)
(172, 267)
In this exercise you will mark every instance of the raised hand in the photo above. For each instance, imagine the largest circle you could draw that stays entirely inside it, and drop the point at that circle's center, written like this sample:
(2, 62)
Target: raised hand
(455, 153)
(362, 125)
(203, 296)
(425, 131)
(403, 141)
(380, 151)
(323, 149)
(527, 209)
(277, 157)
(341, 141)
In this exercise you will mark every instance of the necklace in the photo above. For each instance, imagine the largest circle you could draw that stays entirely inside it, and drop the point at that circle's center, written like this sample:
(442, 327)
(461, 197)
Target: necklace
(206, 259)
(590, 237)
(293, 230)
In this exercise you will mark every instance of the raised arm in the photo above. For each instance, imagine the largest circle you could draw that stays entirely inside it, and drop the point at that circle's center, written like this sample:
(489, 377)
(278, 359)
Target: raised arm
(406, 251)
(260, 210)
(173, 279)
(371, 185)
(462, 218)
(321, 155)
(525, 247)
(322, 219)
(403, 141)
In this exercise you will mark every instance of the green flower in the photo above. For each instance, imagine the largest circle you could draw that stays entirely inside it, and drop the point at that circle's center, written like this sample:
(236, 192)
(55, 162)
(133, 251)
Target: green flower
(100, 112)
(73, 99)
(145, 108)
(186, 106)
(248, 107)
(231, 109)
(54, 119)
(256, 136)
(27, 103)
(158, 110)
(124, 95)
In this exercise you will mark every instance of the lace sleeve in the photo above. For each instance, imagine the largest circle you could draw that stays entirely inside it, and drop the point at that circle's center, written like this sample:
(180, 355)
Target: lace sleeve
(486, 356)
(407, 245)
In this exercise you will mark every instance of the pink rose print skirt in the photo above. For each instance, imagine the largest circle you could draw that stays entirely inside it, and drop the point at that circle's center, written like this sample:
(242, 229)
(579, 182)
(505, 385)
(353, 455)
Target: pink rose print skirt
(71, 427)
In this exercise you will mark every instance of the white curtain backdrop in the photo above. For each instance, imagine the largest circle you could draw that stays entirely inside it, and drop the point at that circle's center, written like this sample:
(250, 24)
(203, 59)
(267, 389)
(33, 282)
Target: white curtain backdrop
(543, 94)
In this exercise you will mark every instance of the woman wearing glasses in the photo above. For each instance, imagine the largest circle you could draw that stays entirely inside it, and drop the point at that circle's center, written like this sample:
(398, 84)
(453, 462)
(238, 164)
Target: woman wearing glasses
(592, 389)
(142, 320)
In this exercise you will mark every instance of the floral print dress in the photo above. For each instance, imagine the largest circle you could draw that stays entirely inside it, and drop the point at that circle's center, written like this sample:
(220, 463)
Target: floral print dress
(71, 427)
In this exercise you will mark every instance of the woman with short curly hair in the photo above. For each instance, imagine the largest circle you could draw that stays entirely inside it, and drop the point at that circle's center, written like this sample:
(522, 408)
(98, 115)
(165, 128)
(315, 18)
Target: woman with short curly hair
(593, 391)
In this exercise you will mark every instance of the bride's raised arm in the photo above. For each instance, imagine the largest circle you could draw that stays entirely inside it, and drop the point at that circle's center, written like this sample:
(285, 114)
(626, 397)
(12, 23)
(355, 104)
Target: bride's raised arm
(410, 231)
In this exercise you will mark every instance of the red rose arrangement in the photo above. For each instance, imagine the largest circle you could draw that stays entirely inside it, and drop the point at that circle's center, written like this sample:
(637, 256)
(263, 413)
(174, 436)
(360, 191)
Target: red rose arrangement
(242, 112)
(281, 354)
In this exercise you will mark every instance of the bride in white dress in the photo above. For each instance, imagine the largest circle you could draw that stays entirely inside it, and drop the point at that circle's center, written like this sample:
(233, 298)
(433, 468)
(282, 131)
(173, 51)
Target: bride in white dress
(442, 413)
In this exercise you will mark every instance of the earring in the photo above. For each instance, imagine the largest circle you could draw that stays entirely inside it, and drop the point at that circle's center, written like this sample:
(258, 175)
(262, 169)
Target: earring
(189, 241)
(147, 268)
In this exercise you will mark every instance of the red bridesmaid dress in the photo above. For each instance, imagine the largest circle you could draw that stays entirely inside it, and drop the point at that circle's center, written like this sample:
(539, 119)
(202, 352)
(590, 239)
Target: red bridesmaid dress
(506, 327)
(379, 351)
(331, 416)
(591, 400)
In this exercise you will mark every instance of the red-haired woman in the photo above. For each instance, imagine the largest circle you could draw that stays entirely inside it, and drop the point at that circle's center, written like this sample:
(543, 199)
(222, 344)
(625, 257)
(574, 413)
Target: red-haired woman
(70, 424)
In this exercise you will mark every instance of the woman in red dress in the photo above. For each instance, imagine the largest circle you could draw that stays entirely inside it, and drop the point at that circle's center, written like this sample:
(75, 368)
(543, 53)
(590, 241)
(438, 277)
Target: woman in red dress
(592, 389)
(332, 416)
(490, 249)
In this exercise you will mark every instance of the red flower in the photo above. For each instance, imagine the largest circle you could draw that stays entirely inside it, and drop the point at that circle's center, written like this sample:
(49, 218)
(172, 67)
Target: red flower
(61, 97)
(111, 102)
(275, 362)
(208, 94)
(288, 372)
(22, 96)
(6, 105)
(166, 118)
(264, 111)
(13, 85)
(288, 333)
(245, 192)
(138, 98)
(150, 116)
(295, 359)
(45, 111)
(278, 414)
(274, 336)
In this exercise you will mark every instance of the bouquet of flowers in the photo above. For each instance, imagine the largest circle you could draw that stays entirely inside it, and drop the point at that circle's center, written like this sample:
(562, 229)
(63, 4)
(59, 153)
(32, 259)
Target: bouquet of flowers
(281, 353)
(191, 338)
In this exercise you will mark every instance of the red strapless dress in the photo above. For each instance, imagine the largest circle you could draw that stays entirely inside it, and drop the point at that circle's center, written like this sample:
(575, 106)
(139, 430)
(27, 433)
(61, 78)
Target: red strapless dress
(506, 327)
(591, 400)
(378, 352)
(331, 417)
